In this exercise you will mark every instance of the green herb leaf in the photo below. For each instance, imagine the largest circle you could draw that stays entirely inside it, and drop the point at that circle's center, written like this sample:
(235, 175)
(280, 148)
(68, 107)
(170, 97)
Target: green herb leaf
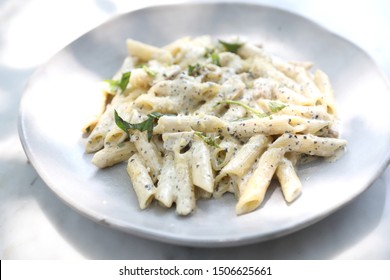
(213, 55)
(208, 140)
(191, 69)
(246, 107)
(124, 81)
(208, 52)
(194, 70)
(215, 59)
(231, 47)
(119, 85)
(275, 106)
(148, 71)
(146, 125)
(158, 115)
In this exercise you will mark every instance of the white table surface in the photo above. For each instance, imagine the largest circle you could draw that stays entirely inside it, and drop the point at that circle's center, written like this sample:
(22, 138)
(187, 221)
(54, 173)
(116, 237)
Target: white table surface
(35, 224)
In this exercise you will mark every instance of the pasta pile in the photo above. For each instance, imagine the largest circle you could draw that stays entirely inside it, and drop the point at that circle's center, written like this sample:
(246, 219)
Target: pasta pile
(199, 118)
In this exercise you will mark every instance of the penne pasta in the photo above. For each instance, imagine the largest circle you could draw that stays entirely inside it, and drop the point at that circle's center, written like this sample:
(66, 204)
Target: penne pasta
(202, 173)
(113, 154)
(252, 193)
(141, 181)
(289, 182)
(200, 118)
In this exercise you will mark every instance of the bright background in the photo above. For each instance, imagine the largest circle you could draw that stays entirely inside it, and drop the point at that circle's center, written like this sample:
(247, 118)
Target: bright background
(35, 224)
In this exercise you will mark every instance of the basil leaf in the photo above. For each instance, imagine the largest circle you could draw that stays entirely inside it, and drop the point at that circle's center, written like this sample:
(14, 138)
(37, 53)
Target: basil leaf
(146, 125)
(148, 71)
(246, 107)
(124, 81)
(193, 70)
(275, 106)
(215, 59)
(119, 85)
(158, 115)
(231, 47)
(121, 123)
(208, 52)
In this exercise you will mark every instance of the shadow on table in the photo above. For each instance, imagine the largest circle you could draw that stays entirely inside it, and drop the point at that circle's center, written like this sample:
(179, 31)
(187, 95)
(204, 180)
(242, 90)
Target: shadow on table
(326, 239)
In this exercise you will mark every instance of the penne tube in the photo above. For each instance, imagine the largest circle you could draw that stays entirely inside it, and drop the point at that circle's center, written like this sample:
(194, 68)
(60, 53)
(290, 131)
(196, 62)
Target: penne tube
(262, 68)
(274, 125)
(141, 181)
(165, 192)
(205, 123)
(111, 155)
(289, 182)
(185, 191)
(202, 173)
(322, 82)
(309, 112)
(253, 192)
(246, 156)
(151, 103)
(95, 140)
(147, 150)
(147, 52)
(309, 144)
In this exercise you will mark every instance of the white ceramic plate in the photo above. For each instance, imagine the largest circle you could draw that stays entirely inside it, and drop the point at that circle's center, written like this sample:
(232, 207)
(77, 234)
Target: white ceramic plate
(61, 97)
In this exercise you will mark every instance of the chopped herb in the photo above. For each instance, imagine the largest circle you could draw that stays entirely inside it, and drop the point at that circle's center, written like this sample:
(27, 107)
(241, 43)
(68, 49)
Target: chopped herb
(213, 55)
(146, 125)
(275, 106)
(148, 71)
(194, 70)
(119, 85)
(208, 140)
(215, 59)
(208, 52)
(246, 107)
(231, 47)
